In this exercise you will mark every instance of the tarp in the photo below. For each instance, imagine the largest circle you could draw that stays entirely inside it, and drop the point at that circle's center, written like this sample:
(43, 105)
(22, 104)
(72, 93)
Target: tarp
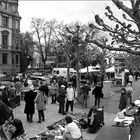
(112, 69)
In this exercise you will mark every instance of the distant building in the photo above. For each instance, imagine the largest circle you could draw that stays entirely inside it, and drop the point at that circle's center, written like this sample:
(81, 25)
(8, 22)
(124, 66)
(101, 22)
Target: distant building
(9, 37)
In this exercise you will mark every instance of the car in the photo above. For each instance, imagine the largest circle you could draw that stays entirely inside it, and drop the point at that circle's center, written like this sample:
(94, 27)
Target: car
(40, 78)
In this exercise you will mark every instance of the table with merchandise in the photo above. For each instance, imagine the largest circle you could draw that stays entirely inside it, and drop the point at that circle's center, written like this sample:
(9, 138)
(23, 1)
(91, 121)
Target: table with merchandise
(129, 118)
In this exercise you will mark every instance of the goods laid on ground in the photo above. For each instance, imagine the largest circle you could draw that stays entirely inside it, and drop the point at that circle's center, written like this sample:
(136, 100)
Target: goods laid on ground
(55, 130)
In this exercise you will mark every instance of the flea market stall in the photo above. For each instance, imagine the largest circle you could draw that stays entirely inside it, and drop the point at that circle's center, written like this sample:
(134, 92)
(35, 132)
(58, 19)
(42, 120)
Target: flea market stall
(129, 118)
(55, 130)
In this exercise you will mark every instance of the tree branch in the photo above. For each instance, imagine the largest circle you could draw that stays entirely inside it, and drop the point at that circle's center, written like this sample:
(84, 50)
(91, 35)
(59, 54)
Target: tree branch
(112, 48)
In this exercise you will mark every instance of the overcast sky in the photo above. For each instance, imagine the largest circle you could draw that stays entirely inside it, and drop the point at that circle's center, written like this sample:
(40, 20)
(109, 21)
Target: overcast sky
(67, 11)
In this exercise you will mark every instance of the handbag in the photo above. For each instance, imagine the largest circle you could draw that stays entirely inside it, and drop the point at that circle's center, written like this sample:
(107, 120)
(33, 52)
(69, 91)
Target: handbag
(58, 99)
(102, 95)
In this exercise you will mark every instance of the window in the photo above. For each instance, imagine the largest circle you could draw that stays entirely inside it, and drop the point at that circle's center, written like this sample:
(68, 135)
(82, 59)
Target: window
(13, 23)
(17, 43)
(13, 60)
(5, 34)
(5, 40)
(13, 8)
(5, 21)
(17, 24)
(4, 5)
(17, 59)
(4, 58)
(13, 41)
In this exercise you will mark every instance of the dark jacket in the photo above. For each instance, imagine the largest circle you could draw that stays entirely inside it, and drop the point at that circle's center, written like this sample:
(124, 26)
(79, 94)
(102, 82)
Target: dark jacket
(61, 96)
(97, 92)
(123, 101)
(86, 89)
(5, 112)
(46, 90)
(29, 102)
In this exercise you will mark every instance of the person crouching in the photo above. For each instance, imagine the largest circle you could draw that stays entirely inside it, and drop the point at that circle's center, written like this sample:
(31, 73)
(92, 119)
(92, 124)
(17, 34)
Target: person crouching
(72, 131)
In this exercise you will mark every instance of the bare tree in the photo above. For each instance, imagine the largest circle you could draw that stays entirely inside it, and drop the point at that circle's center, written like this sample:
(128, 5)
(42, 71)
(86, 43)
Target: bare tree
(44, 35)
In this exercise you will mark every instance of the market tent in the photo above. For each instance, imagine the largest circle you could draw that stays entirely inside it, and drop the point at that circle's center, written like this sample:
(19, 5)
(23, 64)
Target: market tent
(90, 69)
(2, 75)
(112, 69)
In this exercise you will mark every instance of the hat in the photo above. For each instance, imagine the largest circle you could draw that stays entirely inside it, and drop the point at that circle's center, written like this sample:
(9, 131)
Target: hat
(62, 86)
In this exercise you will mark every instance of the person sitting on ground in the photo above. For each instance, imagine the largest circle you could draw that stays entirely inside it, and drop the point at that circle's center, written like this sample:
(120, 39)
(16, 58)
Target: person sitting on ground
(72, 131)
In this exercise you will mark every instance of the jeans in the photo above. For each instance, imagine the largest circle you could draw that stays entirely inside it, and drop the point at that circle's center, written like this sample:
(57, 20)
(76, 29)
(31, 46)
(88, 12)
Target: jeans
(97, 101)
(69, 103)
(61, 108)
(41, 115)
(84, 103)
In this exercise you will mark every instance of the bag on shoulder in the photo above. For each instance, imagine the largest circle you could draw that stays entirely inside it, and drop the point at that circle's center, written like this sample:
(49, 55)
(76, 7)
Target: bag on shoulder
(102, 95)
(58, 99)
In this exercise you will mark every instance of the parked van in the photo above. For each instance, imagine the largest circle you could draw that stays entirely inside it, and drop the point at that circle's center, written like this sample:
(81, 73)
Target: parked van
(63, 72)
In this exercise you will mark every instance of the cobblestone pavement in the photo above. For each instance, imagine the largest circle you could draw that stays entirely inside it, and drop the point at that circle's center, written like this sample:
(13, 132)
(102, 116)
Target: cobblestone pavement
(51, 114)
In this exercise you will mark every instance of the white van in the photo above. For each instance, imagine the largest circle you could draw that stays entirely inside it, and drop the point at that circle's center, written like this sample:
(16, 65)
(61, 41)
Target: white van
(63, 72)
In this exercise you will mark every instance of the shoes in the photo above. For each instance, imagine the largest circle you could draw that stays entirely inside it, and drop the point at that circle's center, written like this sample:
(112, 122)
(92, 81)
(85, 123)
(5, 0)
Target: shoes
(64, 113)
(38, 121)
(43, 120)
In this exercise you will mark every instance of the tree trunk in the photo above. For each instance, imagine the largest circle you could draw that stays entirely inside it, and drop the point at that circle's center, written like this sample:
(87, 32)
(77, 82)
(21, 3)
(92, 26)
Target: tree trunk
(68, 69)
(78, 74)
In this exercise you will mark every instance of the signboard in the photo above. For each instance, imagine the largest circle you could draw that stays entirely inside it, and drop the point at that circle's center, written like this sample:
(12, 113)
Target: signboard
(119, 69)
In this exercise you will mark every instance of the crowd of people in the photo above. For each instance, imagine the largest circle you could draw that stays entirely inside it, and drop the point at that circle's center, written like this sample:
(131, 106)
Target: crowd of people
(35, 93)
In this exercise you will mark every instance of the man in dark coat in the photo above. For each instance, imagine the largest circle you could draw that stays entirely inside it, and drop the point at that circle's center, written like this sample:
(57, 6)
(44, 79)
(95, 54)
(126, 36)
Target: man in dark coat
(29, 105)
(61, 99)
(97, 92)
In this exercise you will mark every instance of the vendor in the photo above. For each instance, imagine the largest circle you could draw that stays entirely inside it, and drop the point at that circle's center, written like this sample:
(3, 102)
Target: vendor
(72, 131)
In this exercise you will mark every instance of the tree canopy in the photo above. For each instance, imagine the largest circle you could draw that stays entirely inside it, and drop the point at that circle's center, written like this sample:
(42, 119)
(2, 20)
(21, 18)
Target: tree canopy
(125, 35)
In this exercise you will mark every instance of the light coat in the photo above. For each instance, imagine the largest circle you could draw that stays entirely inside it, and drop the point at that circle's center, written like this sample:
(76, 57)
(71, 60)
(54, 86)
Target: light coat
(40, 100)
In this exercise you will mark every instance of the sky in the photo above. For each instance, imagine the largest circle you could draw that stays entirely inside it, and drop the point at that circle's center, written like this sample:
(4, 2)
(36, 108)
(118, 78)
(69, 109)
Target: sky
(66, 11)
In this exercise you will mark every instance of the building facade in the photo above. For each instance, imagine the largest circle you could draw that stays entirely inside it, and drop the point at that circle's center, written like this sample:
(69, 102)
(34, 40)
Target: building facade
(9, 37)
